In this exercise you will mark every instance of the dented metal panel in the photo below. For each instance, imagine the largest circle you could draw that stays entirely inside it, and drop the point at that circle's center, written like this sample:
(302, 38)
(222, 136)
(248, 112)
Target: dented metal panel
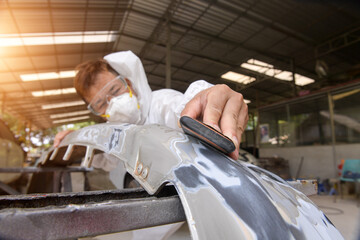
(222, 198)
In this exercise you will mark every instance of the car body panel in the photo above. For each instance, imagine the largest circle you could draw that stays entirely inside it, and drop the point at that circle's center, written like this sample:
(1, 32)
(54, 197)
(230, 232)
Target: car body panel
(222, 198)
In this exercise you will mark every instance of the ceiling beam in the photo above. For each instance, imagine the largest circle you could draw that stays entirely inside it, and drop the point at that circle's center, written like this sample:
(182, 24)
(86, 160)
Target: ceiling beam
(262, 20)
(343, 40)
(157, 29)
(208, 36)
(215, 60)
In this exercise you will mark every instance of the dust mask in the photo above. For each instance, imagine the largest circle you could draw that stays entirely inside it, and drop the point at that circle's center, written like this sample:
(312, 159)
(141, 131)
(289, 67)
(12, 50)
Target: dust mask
(124, 109)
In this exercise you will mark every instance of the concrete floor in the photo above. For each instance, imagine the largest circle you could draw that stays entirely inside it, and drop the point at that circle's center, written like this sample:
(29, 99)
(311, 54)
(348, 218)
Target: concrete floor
(344, 213)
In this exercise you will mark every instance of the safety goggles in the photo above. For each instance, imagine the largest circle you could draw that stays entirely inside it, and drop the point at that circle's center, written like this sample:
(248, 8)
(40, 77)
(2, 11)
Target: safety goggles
(114, 88)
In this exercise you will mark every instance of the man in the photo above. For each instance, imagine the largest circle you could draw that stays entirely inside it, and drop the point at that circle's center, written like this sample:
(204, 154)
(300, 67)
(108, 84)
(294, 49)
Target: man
(134, 102)
(116, 88)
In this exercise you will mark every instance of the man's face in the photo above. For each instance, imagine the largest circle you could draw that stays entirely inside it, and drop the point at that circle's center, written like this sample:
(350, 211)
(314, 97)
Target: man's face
(101, 80)
(107, 85)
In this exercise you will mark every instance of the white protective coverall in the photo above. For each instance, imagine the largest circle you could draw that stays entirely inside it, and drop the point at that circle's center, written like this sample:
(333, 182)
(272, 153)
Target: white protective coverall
(161, 106)
(157, 107)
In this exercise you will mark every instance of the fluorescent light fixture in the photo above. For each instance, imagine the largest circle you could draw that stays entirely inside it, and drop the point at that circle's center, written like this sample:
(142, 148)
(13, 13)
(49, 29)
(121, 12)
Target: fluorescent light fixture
(272, 72)
(269, 70)
(285, 75)
(47, 76)
(71, 119)
(257, 65)
(237, 77)
(260, 63)
(63, 104)
(31, 39)
(302, 80)
(53, 92)
(70, 114)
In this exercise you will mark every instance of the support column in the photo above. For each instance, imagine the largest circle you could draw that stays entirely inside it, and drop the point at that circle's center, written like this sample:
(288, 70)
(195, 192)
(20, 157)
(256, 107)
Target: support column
(288, 117)
(293, 77)
(332, 125)
(257, 129)
(168, 52)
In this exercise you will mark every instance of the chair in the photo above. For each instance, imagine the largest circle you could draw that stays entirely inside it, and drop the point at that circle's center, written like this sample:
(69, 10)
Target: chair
(351, 173)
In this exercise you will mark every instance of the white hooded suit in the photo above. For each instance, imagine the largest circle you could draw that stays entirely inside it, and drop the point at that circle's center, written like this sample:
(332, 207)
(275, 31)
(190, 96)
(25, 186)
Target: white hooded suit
(157, 107)
(161, 106)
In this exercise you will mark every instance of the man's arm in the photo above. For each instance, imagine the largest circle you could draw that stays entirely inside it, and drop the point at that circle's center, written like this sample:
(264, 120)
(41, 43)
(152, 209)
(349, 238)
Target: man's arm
(221, 108)
(60, 136)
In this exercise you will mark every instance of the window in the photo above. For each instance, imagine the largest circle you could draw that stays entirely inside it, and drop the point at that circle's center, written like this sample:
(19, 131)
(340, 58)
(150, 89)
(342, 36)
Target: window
(296, 124)
(346, 116)
(308, 126)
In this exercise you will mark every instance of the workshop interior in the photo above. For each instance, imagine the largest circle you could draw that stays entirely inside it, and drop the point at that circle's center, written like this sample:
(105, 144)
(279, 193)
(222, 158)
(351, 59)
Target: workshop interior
(296, 64)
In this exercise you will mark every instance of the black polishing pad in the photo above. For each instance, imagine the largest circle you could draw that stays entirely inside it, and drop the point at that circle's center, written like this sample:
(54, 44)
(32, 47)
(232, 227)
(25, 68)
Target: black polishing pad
(207, 134)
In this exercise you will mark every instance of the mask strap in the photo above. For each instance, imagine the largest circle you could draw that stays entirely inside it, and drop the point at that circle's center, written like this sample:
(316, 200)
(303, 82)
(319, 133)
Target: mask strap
(131, 94)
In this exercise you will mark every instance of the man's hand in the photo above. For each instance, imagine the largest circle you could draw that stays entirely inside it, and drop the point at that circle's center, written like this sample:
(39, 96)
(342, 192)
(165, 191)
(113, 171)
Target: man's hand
(60, 136)
(221, 108)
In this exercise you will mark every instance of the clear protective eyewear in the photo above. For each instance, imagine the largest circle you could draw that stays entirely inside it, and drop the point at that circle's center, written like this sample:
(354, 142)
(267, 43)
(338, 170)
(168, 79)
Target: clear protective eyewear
(114, 88)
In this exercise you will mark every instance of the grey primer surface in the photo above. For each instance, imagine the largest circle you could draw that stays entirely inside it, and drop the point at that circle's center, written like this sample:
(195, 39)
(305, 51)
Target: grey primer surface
(222, 198)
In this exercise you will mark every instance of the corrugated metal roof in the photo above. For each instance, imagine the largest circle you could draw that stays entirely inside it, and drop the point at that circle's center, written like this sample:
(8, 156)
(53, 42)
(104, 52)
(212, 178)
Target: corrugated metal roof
(208, 39)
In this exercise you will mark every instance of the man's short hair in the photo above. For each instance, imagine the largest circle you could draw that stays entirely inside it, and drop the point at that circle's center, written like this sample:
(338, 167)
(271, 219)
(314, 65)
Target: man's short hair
(87, 73)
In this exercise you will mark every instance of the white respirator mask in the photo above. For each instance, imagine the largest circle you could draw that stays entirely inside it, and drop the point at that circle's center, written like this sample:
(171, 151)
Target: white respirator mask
(124, 109)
